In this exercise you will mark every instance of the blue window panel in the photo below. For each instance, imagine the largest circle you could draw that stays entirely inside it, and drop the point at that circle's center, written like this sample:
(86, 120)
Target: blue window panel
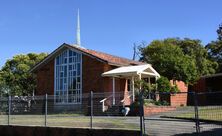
(78, 79)
(70, 67)
(70, 60)
(74, 83)
(65, 60)
(57, 60)
(65, 71)
(61, 74)
(78, 69)
(70, 53)
(74, 73)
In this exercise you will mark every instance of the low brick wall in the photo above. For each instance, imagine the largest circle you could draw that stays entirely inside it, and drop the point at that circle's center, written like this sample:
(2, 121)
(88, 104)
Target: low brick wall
(151, 110)
(54, 131)
(179, 99)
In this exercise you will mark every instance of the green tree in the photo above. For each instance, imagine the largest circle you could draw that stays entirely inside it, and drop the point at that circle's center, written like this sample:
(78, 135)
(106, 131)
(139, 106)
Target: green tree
(214, 49)
(170, 61)
(196, 50)
(16, 76)
(219, 32)
(3, 87)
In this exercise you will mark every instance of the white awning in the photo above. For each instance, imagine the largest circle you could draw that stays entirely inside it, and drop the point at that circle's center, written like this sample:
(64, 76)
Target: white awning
(145, 70)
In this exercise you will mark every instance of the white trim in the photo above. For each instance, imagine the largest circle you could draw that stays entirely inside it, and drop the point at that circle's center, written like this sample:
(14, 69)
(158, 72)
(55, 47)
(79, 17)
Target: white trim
(127, 71)
(67, 80)
(158, 75)
(148, 73)
(54, 80)
(81, 79)
(133, 88)
(114, 89)
(140, 77)
(55, 53)
(144, 68)
(149, 82)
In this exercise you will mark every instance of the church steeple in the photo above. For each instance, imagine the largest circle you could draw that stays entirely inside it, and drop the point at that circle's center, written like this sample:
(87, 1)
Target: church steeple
(78, 42)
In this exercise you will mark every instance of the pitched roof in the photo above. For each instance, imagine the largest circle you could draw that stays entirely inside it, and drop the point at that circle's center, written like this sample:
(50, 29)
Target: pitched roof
(146, 70)
(104, 57)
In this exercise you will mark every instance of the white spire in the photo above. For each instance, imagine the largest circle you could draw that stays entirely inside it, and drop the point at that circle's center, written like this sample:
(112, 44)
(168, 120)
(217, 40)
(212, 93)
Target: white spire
(78, 30)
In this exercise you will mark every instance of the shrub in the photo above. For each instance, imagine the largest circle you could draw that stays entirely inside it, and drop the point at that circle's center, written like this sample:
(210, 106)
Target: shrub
(163, 84)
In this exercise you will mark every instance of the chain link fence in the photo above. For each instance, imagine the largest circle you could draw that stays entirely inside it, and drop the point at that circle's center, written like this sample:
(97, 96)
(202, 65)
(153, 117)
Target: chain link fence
(183, 114)
(158, 114)
(96, 111)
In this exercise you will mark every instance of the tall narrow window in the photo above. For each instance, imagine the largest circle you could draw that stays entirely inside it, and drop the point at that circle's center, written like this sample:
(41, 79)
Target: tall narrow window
(68, 77)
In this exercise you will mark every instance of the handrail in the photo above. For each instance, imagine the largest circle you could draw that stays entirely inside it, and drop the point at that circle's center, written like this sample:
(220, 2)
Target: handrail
(122, 101)
(103, 102)
(106, 98)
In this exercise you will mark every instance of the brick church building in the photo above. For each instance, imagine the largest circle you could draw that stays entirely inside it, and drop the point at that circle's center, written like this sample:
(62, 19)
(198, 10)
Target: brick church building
(71, 70)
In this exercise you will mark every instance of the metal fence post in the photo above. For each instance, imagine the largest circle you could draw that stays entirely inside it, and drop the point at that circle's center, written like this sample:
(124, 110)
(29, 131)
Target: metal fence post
(46, 108)
(141, 112)
(91, 109)
(9, 109)
(197, 122)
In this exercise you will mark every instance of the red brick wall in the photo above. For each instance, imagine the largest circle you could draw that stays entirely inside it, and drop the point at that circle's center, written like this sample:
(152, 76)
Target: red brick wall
(91, 74)
(157, 109)
(181, 85)
(92, 79)
(179, 99)
(45, 79)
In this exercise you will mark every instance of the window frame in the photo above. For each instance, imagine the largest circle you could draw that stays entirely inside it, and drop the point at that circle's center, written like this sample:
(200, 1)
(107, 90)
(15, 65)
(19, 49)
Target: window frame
(78, 91)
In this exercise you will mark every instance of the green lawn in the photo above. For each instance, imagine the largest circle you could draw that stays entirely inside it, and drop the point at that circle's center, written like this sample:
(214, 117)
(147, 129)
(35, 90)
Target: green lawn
(72, 120)
(213, 113)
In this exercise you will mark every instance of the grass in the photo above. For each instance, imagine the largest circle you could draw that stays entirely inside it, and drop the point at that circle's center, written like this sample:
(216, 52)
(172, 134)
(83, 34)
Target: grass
(72, 121)
(213, 113)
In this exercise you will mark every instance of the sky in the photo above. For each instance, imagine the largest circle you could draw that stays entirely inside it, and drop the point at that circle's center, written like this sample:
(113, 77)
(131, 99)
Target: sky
(110, 26)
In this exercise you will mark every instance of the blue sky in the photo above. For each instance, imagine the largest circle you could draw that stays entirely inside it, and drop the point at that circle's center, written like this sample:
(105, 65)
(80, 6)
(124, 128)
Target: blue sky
(110, 26)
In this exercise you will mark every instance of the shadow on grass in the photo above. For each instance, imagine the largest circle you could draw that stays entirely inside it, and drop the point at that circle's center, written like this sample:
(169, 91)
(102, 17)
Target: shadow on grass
(213, 132)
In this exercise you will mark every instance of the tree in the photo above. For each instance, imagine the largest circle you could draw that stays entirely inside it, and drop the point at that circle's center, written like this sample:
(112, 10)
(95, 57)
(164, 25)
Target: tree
(169, 60)
(16, 76)
(214, 49)
(3, 87)
(219, 32)
(196, 50)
